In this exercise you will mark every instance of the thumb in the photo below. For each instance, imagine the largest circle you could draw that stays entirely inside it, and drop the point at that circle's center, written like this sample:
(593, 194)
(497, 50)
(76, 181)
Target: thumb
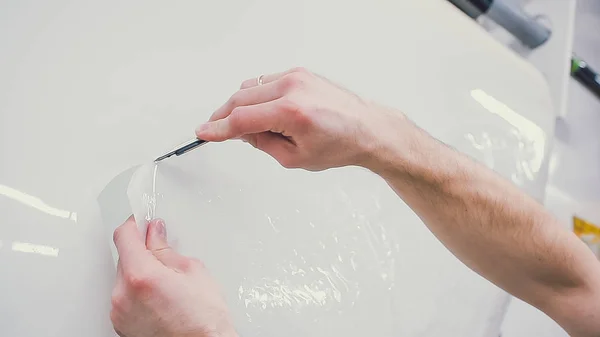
(276, 145)
(156, 242)
(215, 131)
(242, 120)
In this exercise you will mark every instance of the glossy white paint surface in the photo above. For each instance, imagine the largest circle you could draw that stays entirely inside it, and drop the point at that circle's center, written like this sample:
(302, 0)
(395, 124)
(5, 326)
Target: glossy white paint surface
(89, 90)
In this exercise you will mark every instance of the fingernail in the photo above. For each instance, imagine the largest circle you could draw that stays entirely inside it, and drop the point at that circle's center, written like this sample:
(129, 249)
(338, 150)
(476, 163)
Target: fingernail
(201, 128)
(130, 221)
(160, 228)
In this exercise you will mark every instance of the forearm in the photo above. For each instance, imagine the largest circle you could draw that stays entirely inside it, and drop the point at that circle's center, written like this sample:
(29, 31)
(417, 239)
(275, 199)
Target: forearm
(493, 227)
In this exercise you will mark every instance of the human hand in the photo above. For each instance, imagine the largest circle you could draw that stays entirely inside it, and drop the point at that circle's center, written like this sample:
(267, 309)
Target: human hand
(304, 121)
(160, 293)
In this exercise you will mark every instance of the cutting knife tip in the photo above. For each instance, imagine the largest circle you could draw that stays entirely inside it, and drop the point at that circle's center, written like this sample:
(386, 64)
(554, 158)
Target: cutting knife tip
(182, 149)
(162, 157)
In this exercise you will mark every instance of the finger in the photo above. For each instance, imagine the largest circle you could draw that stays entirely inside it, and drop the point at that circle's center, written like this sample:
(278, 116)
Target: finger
(243, 120)
(156, 242)
(276, 145)
(119, 279)
(248, 139)
(249, 96)
(156, 236)
(253, 82)
(130, 244)
(268, 78)
(119, 282)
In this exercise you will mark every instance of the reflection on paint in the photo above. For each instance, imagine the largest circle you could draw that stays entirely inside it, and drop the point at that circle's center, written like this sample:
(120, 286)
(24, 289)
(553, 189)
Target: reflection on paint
(36, 203)
(526, 127)
(274, 293)
(25, 247)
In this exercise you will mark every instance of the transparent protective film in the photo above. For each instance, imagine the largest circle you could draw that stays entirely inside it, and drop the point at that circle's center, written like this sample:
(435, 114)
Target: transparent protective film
(297, 253)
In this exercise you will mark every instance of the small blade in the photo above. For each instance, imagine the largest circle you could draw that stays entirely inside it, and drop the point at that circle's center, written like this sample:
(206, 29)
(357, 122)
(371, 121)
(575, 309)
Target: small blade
(182, 149)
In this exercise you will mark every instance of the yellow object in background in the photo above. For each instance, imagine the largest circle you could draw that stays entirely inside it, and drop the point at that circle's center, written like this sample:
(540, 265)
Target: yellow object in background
(589, 233)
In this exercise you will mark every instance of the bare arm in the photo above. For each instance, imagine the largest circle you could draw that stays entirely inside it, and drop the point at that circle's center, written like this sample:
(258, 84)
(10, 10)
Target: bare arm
(303, 120)
(495, 229)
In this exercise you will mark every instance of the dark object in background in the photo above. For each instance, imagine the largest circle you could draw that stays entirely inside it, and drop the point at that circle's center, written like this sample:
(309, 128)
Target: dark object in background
(473, 8)
(585, 75)
(527, 30)
(512, 18)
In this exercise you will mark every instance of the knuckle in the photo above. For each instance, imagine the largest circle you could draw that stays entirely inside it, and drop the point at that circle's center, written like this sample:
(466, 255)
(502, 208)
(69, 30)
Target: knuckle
(300, 70)
(117, 302)
(288, 105)
(197, 263)
(288, 162)
(301, 118)
(293, 81)
(287, 84)
(114, 318)
(140, 282)
(117, 234)
(235, 99)
(297, 112)
(236, 118)
(247, 84)
(185, 265)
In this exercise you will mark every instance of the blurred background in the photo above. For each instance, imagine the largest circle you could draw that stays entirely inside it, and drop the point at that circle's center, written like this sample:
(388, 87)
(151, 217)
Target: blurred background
(574, 182)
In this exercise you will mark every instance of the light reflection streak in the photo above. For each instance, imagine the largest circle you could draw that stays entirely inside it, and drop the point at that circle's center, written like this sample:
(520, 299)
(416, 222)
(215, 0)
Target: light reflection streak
(526, 127)
(25, 247)
(36, 203)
